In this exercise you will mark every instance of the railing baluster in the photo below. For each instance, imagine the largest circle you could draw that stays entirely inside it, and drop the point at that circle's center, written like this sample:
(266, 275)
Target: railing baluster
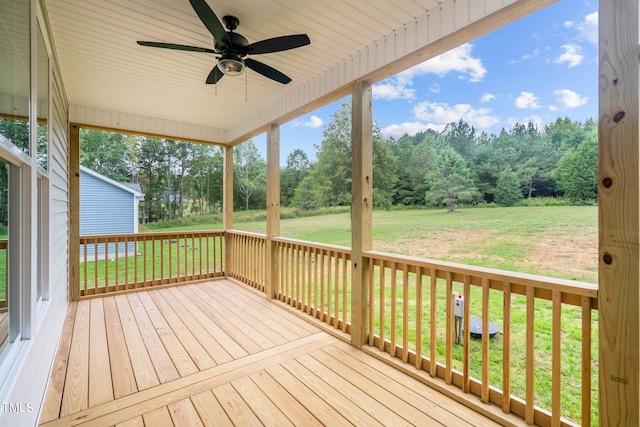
(298, 278)
(117, 261)
(405, 313)
(106, 266)
(556, 356)
(530, 358)
(506, 349)
(186, 263)
(86, 279)
(315, 283)
(449, 330)
(383, 291)
(336, 293)
(418, 318)
(126, 262)
(329, 286)
(433, 336)
(586, 361)
(162, 240)
(372, 271)
(193, 257)
(466, 338)
(344, 293)
(394, 307)
(485, 340)
(95, 266)
(144, 262)
(310, 269)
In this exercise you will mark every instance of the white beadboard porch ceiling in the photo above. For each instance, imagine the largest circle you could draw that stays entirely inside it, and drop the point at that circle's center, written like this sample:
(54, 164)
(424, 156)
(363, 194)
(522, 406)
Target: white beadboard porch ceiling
(114, 83)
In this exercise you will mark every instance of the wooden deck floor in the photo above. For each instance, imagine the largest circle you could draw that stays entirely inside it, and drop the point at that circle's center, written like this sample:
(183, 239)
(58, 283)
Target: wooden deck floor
(218, 354)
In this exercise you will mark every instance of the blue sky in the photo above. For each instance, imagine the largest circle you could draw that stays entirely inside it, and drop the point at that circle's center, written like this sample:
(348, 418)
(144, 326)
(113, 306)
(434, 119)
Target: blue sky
(536, 69)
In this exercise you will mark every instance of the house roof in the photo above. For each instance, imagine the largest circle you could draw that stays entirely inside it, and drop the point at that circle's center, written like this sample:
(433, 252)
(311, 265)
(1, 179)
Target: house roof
(112, 82)
(128, 187)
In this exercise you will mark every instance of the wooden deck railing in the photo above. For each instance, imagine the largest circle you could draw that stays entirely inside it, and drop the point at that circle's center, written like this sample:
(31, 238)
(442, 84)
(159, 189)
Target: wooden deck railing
(247, 258)
(315, 278)
(529, 368)
(546, 333)
(4, 282)
(127, 261)
(539, 367)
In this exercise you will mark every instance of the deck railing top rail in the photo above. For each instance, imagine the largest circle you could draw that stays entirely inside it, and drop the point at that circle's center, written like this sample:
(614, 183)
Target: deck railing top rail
(496, 277)
(325, 246)
(148, 236)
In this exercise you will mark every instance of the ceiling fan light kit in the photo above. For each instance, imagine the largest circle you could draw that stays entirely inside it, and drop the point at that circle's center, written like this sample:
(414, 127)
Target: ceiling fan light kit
(233, 48)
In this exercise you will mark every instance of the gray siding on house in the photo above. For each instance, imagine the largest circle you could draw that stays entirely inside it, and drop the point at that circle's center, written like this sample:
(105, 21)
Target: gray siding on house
(104, 208)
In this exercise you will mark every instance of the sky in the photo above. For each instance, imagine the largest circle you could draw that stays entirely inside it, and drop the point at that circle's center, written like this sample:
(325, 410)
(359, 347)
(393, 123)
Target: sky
(537, 69)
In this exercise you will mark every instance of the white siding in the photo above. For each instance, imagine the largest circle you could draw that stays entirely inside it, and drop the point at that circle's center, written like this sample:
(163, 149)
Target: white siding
(31, 374)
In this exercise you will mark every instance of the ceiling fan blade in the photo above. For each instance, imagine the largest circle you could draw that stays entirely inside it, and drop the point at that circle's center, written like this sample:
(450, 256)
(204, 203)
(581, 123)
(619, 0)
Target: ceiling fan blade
(277, 44)
(267, 71)
(214, 76)
(211, 21)
(176, 47)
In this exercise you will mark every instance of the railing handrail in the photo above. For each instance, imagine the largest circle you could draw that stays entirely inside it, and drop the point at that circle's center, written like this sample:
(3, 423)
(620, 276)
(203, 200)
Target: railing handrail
(102, 238)
(325, 246)
(247, 234)
(496, 277)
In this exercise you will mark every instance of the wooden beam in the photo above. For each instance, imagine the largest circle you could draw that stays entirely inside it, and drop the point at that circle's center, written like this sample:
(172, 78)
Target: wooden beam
(74, 213)
(619, 210)
(361, 208)
(273, 207)
(227, 205)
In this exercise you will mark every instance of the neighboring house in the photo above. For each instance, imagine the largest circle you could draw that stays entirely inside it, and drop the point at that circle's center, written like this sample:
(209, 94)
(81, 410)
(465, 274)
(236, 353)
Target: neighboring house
(107, 207)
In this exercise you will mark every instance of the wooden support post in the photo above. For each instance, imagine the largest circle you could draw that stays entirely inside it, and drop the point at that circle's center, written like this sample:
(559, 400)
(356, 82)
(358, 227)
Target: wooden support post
(227, 206)
(74, 213)
(619, 211)
(361, 208)
(273, 207)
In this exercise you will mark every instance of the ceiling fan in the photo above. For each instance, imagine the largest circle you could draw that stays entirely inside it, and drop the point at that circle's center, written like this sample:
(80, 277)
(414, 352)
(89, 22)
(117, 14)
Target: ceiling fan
(233, 48)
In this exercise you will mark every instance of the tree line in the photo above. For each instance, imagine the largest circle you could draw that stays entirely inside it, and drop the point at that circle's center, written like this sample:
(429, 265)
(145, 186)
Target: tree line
(455, 166)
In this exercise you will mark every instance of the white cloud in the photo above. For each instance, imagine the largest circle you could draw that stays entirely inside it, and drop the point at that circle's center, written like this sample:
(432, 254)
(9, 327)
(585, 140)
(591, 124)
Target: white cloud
(569, 98)
(588, 29)
(393, 89)
(527, 100)
(440, 113)
(313, 122)
(410, 128)
(487, 97)
(553, 108)
(459, 59)
(435, 88)
(572, 55)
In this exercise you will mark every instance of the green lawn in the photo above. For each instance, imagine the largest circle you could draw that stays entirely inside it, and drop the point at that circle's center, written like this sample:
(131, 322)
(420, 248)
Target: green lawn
(556, 241)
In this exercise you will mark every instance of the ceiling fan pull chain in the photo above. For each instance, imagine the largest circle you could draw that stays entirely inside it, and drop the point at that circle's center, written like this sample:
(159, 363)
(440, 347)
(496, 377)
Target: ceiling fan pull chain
(246, 87)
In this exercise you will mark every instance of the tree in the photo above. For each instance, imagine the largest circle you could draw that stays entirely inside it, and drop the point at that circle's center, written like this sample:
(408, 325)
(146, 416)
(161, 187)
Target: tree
(332, 173)
(249, 170)
(577, 172)
(449, 182)
(297, 168)
(508, 191)
(107, 153)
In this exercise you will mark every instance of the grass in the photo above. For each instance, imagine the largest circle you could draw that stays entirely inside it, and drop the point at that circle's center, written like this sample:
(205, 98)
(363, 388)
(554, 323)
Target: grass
(555, 241)
(153, 261)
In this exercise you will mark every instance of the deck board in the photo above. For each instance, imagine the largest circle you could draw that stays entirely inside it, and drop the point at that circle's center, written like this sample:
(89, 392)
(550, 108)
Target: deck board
(122, 377)
(100, 383)
(171, 358)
